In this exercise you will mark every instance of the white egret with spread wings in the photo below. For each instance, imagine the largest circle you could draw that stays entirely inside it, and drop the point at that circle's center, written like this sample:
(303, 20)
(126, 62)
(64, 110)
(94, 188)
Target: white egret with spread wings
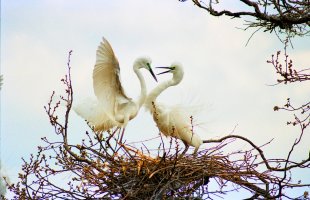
(112, 108)
(172, 121)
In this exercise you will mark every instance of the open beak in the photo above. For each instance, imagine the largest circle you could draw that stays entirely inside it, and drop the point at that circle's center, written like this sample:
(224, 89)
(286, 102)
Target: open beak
(151, 71)
(169, 69)
(153, 74)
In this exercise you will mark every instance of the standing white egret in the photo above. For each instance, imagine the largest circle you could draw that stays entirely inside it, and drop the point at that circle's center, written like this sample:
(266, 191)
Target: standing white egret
(172, 121)
(112, 107)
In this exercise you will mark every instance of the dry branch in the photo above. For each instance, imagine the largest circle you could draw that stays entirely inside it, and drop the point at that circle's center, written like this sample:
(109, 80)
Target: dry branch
(285, 16)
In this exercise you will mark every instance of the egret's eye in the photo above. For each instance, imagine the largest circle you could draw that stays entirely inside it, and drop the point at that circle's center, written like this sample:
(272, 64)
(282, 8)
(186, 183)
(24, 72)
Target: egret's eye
(148, 65)
(172, 68)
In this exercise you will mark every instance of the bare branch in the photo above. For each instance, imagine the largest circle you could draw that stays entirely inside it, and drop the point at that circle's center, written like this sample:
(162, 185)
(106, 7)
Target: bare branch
(285, 16)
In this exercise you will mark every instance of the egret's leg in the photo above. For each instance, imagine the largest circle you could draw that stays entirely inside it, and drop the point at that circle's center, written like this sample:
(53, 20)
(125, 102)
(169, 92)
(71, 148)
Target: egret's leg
(126, 119)
(195, 151)
(122, 134)
(185, 150)
(111, 136)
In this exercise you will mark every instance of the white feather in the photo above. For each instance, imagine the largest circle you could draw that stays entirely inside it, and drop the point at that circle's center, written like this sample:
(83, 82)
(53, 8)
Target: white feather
(112, 107)
(172, 121)
(93, 112)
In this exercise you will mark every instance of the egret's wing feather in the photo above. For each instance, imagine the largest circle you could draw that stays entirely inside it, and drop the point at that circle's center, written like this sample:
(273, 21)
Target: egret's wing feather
(165, 119)
(184, 119)
(181, 119)
(172, 119)
(93, 112)
(177, 120)
(106, 80)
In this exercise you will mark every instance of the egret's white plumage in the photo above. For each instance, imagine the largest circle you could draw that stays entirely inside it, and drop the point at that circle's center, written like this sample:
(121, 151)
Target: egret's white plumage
(3, 174)
(112, 107)
(1, 79)
(172, 121)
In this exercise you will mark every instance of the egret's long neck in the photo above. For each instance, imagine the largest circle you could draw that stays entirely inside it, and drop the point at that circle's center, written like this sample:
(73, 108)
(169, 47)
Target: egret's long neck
(158, 90)
(142, 96)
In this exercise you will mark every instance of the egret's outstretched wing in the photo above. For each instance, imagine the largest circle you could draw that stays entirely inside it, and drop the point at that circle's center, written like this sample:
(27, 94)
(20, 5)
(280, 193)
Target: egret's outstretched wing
(106, 81)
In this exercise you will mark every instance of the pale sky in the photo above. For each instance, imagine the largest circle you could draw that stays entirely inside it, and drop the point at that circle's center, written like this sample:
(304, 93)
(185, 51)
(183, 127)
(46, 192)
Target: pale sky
(228, 79)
